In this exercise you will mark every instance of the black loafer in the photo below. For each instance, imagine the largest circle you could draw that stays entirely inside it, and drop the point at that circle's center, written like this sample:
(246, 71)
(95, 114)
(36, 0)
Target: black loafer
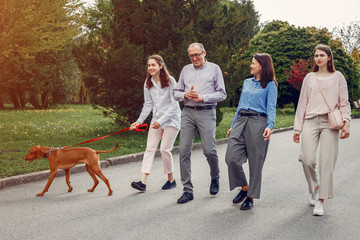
(185, 198)
(169, 185)
(139, 186)
(240, 197)
(214, 187)
(247, 204)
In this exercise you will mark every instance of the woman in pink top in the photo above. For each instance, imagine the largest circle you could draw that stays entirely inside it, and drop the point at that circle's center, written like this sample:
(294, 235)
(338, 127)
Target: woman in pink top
(312, 122)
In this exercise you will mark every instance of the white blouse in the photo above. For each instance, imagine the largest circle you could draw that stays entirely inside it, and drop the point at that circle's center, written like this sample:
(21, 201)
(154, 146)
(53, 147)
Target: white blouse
(165, 109)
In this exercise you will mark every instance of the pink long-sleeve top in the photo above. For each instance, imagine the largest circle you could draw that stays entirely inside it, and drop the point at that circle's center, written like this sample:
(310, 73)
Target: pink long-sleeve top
(312, 103)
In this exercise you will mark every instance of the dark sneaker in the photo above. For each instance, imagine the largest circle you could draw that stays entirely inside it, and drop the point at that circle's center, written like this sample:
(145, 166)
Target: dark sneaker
(247, 204)
(185, 198)
(240, 197)
(139, 186)
(214, 187)
(169, 185)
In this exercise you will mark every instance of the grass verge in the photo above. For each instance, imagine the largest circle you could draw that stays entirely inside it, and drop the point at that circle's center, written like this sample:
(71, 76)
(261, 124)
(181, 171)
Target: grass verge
(71, 124)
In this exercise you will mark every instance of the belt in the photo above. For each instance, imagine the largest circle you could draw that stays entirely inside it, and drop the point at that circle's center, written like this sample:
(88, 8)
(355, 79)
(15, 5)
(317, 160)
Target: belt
(201, 107)
(252, 114)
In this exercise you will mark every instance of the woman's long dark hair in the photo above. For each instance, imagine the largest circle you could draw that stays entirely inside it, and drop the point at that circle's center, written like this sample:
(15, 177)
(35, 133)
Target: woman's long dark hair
(330, 63)
(164, 73)
(267, 73)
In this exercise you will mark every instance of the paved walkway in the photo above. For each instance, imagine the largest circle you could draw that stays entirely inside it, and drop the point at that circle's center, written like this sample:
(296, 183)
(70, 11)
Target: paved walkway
(281, 213)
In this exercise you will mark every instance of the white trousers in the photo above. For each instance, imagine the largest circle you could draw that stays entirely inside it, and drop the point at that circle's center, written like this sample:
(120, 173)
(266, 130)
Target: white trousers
(167, 137)
(315, 131)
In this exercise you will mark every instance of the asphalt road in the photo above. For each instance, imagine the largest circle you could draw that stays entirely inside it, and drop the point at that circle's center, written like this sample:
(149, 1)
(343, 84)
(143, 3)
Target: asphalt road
(281, 213)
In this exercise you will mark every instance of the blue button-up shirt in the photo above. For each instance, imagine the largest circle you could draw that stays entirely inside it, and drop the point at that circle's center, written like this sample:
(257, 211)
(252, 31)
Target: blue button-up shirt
(207, 80)
(255, 98)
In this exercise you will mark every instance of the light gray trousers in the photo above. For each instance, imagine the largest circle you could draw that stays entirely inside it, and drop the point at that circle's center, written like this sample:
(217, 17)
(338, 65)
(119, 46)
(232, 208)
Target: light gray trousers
(316, 131)
(193, 121)
(246, 142)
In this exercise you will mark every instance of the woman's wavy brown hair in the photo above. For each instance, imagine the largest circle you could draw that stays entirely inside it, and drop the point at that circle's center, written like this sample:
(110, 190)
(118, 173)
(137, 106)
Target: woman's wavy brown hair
(330, 63)
(164, 73)
(267, 73)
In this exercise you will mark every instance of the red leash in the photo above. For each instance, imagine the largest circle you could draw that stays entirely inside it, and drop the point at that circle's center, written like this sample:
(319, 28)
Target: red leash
(140, 128)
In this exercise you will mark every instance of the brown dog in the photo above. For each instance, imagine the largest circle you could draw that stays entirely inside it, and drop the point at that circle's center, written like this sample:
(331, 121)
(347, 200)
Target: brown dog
(66, 159)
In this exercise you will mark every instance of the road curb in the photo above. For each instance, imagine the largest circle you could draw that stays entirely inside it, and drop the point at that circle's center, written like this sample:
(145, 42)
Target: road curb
(37, 176)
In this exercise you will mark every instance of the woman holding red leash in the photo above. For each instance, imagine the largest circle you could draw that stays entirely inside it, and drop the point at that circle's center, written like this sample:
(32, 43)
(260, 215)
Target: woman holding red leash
(165, 122)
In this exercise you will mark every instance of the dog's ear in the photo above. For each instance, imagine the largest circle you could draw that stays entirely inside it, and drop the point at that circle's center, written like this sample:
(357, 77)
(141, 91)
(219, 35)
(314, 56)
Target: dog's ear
(39, 151)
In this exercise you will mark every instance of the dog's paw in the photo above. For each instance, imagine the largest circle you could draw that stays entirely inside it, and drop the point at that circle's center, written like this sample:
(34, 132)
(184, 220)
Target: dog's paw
(40, 194)
(110, 192)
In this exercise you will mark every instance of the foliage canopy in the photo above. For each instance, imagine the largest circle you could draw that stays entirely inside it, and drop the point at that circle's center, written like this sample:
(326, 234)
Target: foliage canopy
(122, 34)
(287, 43)
(34, 47)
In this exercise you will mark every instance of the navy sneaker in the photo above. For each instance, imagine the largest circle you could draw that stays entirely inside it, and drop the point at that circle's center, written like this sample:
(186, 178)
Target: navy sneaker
(247, 204)
(214, 186)
(139, 186)
(185, 198)
(240, 197)
(169, 185)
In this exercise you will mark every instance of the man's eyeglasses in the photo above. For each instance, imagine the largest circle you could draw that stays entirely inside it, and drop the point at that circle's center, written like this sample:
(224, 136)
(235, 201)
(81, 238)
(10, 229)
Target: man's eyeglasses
(196, 55)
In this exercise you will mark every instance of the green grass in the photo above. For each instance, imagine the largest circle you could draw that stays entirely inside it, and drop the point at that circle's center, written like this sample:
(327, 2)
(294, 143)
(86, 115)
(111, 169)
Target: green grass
(70, 124)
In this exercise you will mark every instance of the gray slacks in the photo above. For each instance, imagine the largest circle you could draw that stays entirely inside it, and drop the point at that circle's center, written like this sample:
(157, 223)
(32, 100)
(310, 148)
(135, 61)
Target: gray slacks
(246, 142)
(193, 121)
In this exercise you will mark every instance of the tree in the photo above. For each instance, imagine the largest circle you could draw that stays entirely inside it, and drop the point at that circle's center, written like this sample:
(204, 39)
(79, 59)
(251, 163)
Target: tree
(133, 30)
(27, 30)
(287, 43)
(355, 54)
(226, 32)
(59, 75)
(112, 67)
(298, 72)
(29, 27)
(349, 35)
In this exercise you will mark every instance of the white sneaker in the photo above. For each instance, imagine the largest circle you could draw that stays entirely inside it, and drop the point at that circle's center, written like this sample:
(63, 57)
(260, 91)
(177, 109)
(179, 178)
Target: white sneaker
(314, 197)
(318, 209)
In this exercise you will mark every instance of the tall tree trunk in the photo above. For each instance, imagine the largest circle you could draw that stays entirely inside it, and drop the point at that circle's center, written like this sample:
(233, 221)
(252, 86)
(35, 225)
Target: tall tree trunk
(45, 100)
(22, 99)
(2, 107)
(15, 100)
(34, 101)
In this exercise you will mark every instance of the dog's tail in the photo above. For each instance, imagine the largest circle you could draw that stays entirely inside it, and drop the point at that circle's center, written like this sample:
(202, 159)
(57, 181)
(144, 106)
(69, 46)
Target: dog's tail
(107, 151)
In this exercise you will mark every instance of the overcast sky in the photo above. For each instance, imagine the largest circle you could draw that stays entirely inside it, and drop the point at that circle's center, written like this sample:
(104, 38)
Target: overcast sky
(303, 13)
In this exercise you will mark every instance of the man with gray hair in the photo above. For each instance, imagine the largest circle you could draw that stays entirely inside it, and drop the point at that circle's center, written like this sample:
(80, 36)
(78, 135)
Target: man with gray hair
(200, 86)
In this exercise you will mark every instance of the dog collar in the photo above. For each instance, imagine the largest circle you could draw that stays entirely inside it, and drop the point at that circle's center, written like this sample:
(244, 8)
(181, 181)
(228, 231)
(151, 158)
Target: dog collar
(51, 150)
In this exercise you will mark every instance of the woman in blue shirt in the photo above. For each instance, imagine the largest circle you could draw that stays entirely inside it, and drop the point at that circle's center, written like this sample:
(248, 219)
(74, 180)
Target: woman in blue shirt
(251, 130)
(165, 122)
